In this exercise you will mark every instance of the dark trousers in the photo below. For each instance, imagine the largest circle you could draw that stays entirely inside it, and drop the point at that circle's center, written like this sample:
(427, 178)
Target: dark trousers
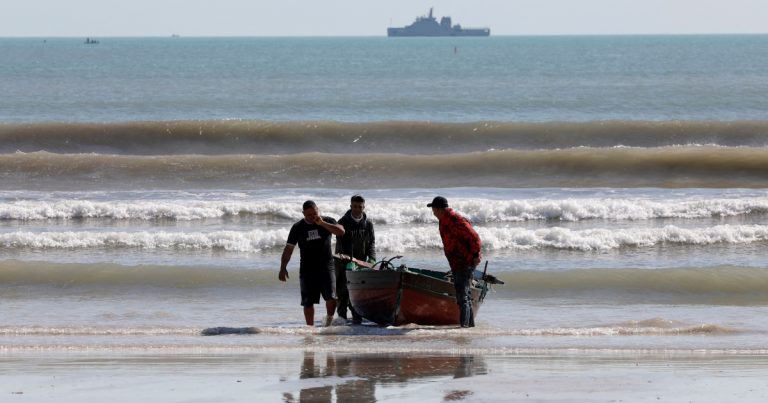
(342, 293)
(462, 281)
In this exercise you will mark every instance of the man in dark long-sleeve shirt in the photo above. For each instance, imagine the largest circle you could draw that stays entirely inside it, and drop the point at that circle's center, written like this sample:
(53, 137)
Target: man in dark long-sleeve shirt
(358, 242)
(461, 245)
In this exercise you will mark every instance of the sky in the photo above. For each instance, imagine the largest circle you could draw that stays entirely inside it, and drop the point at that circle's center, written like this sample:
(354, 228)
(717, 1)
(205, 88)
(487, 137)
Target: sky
(105, 18)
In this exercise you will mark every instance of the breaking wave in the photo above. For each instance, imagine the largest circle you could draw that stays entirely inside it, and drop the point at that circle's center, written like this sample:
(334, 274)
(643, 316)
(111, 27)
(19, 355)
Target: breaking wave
(387, 211)
(396, 240)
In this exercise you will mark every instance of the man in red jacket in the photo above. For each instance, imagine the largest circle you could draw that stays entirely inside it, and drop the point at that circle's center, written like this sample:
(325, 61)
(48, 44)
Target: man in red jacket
(461, 245)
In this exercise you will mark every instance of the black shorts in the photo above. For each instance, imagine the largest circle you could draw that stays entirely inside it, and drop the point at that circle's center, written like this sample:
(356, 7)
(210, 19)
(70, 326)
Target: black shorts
(313, 285)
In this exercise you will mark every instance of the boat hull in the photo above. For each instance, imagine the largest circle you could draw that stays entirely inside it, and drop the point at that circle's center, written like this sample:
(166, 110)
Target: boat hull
(389, 297)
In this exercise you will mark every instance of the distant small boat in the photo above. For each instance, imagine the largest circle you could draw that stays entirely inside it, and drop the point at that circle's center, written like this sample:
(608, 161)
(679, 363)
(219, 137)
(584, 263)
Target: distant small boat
(89, 41)
(400, 295)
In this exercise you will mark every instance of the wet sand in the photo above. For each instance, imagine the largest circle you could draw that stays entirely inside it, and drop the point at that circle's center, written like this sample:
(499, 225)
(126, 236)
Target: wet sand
(296, 376)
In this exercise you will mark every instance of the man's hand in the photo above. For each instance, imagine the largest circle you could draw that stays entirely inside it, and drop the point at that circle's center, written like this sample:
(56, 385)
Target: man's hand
(318, 220)
(283, 274)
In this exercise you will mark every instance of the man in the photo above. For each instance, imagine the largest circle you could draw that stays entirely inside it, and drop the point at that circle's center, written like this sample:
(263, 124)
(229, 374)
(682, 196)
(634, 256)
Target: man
(461, 245)
(316, 275)
(358, 242)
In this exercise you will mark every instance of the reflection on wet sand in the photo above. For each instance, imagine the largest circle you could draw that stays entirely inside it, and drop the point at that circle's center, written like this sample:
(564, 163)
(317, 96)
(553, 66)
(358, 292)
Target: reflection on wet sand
(357, 375)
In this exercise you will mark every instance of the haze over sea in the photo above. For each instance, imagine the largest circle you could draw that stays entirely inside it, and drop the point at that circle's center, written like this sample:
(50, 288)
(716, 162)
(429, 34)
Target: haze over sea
(147, 186)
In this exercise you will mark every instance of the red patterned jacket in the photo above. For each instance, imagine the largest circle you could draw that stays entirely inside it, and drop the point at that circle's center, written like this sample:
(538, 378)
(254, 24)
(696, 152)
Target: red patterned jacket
(460, 241)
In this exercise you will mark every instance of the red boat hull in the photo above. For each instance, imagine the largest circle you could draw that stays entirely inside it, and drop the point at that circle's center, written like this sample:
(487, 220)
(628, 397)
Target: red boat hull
(390, 297)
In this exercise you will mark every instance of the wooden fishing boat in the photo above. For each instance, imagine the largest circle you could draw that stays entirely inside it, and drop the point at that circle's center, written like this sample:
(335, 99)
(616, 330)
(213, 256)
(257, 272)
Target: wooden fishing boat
(390, 295)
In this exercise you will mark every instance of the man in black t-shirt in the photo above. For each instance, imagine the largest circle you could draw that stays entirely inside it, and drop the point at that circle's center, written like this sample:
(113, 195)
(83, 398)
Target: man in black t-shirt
(316, 273)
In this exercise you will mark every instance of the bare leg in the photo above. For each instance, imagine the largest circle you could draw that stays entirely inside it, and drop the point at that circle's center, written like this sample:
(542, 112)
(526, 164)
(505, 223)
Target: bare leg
(309, 315)
(330, 307)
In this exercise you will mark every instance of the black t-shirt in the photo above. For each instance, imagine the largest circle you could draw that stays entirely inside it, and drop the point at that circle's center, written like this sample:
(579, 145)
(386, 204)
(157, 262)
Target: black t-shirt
(315, 244)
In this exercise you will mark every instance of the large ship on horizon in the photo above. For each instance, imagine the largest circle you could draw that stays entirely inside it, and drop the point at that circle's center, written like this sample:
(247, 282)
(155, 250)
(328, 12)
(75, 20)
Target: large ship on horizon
(428, 26)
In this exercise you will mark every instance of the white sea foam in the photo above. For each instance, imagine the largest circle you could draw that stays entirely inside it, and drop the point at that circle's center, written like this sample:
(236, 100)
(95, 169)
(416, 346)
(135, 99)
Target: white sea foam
(391, 211)
(237, 241)
(411, 331)
(395, 240)
(605, 238)
(97, 331)
(137, 210)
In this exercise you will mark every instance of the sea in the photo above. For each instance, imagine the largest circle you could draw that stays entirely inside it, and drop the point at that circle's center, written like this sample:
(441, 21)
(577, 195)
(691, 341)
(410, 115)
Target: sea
(619, 185)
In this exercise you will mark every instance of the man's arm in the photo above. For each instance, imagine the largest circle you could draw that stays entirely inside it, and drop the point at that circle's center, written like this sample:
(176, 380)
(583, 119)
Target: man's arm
(335, 229)
(473, 243)
(284, 259)
(466, 244)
